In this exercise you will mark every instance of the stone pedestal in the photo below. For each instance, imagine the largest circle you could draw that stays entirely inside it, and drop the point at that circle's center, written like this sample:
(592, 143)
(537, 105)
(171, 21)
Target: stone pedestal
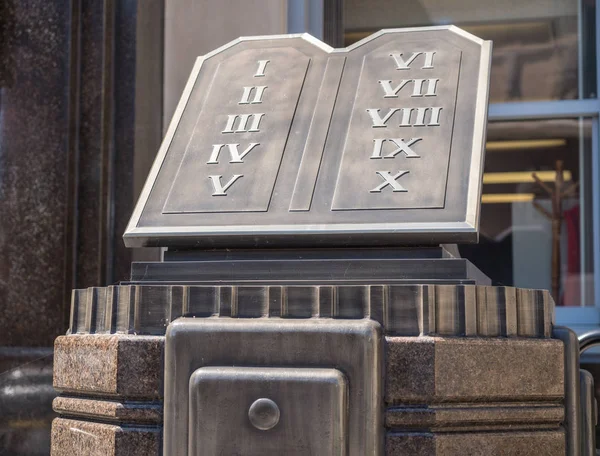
(466, 369)
(345, 342)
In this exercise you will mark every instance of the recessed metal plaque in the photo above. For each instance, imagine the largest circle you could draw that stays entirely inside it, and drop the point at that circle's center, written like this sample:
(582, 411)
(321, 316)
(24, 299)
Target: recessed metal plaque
(283, 140)
(261, 411)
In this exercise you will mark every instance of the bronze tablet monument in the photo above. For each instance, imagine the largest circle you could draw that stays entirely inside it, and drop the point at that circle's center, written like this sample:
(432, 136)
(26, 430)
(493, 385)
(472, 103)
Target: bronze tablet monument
(286, 142)
(307, 302)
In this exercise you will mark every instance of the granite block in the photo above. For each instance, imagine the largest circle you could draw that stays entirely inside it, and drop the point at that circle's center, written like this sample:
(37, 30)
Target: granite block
(499, 369)
(410, 367)
(470, 417)
(119, 411)
(535, 443)
(438, 370)
(422, 444)
(73, 437)
(110, 365)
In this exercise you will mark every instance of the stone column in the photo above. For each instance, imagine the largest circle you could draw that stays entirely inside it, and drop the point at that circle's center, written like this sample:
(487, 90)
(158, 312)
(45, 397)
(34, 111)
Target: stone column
(72, 77)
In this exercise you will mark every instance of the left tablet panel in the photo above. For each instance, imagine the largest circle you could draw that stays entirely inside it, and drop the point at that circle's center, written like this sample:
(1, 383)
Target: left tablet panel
(235, 151)
(239, 129)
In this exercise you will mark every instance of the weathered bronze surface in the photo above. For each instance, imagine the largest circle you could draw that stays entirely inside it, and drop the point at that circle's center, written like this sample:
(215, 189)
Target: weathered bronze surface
(285, 141)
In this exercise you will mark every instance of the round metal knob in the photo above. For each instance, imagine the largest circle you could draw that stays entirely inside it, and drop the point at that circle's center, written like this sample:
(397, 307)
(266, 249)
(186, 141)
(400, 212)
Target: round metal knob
(264, 414)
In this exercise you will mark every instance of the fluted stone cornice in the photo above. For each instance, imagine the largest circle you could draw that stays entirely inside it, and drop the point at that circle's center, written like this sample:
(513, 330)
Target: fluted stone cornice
(403, 310)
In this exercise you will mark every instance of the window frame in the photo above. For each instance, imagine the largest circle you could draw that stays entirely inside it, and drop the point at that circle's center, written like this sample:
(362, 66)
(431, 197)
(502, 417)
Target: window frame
(580, 318)
(320, 17)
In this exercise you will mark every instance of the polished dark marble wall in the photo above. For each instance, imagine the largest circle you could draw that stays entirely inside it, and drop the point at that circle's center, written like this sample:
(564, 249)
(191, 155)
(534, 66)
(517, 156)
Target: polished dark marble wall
(34, 197)
(69, 77)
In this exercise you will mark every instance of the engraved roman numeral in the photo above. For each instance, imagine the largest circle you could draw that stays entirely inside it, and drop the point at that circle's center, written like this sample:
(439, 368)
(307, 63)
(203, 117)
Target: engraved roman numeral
(234, 152)
(401, 147)
(258, 93)
(406, 115)
(243, 123)
(262, 65)
(418, 84)
(378, 121)
(434, 119)
(219, 189)
(402, 64)
(390, 180)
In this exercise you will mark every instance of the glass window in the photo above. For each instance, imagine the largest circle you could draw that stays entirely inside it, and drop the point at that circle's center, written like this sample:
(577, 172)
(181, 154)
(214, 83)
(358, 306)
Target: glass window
(543, 49)
(525, 239)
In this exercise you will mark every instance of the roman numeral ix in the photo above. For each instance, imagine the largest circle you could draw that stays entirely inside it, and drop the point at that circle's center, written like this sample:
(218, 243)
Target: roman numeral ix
(401, 147)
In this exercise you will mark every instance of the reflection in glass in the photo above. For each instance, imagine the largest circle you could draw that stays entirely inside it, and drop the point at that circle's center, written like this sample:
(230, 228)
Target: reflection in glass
(543, 49)
(525, 240)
